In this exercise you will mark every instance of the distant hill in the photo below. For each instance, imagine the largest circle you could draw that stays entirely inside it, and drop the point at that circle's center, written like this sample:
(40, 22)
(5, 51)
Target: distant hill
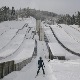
(35, 13)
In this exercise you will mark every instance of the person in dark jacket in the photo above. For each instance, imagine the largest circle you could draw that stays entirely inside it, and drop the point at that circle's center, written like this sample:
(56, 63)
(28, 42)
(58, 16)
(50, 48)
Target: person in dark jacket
(40, 65)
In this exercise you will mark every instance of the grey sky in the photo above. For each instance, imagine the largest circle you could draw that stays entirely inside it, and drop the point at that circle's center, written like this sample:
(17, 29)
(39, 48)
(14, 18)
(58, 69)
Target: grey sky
(57, 6)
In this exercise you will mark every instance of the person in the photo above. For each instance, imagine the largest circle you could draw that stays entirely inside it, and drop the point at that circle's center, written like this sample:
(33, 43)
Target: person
(40, 65)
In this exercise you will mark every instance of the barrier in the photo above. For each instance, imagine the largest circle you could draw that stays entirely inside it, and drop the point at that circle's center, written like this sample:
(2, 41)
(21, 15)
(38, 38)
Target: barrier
(6, 68)
(49, 50)
(20, 65)
(1, 70)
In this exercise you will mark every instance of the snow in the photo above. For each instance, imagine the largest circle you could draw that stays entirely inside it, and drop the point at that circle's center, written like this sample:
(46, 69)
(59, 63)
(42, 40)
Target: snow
(22, 46)
(66, 70)
(25, 52)
(66, 38)
(29, 72)
(12, 46)
(75, 27)
(62, 34)
(17, 41)
(49, 34)
(6, 37)
(72, 32)
(57, 50)
(8, 30)
(55, 70)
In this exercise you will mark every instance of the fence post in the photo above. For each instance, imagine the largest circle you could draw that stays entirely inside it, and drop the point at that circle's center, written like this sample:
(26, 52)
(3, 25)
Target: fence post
(11, 66)
(6, 68)
(1, 70)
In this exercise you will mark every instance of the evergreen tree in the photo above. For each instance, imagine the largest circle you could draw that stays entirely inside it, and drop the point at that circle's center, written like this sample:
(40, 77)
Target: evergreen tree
(0, 15)
(28, 12)
(68, 19)
(73, 19)
(79, 18)
(5, 13)
(12, 13)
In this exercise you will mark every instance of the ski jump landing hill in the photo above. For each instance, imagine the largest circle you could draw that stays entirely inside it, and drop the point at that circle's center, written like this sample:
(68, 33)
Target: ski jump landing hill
(62, 42)
(17, 45)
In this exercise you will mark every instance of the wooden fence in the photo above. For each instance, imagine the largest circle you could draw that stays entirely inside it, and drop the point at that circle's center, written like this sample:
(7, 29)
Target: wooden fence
(6, 68)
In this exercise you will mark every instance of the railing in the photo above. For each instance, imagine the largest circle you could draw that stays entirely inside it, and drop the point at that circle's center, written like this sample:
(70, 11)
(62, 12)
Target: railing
(49, 50)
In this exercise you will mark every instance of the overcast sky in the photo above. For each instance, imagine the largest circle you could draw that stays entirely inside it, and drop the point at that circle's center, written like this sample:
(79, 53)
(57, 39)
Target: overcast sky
(56, 6)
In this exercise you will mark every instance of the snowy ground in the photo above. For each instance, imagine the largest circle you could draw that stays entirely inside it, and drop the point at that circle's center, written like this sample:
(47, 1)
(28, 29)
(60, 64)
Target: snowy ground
(17, 41)
(70, 37)
(67, 70)
(24, 41)
(57, 49)
(55, 69)
(29, 72)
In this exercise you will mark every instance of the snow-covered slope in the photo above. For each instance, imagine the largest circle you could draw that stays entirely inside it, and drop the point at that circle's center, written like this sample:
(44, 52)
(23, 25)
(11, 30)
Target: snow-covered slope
(56, 48)
(16, 39)
(55, 70)
(23, 45)
(75, 34)
(29, 72)
(66, 38)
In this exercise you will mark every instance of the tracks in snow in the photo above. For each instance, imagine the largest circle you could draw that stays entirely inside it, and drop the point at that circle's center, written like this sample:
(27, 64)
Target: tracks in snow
(17, 33)
(75, 53)
(14, 36)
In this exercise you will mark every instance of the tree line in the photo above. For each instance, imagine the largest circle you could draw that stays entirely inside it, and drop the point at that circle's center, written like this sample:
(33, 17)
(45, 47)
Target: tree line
(11, 14)
(69, 20)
